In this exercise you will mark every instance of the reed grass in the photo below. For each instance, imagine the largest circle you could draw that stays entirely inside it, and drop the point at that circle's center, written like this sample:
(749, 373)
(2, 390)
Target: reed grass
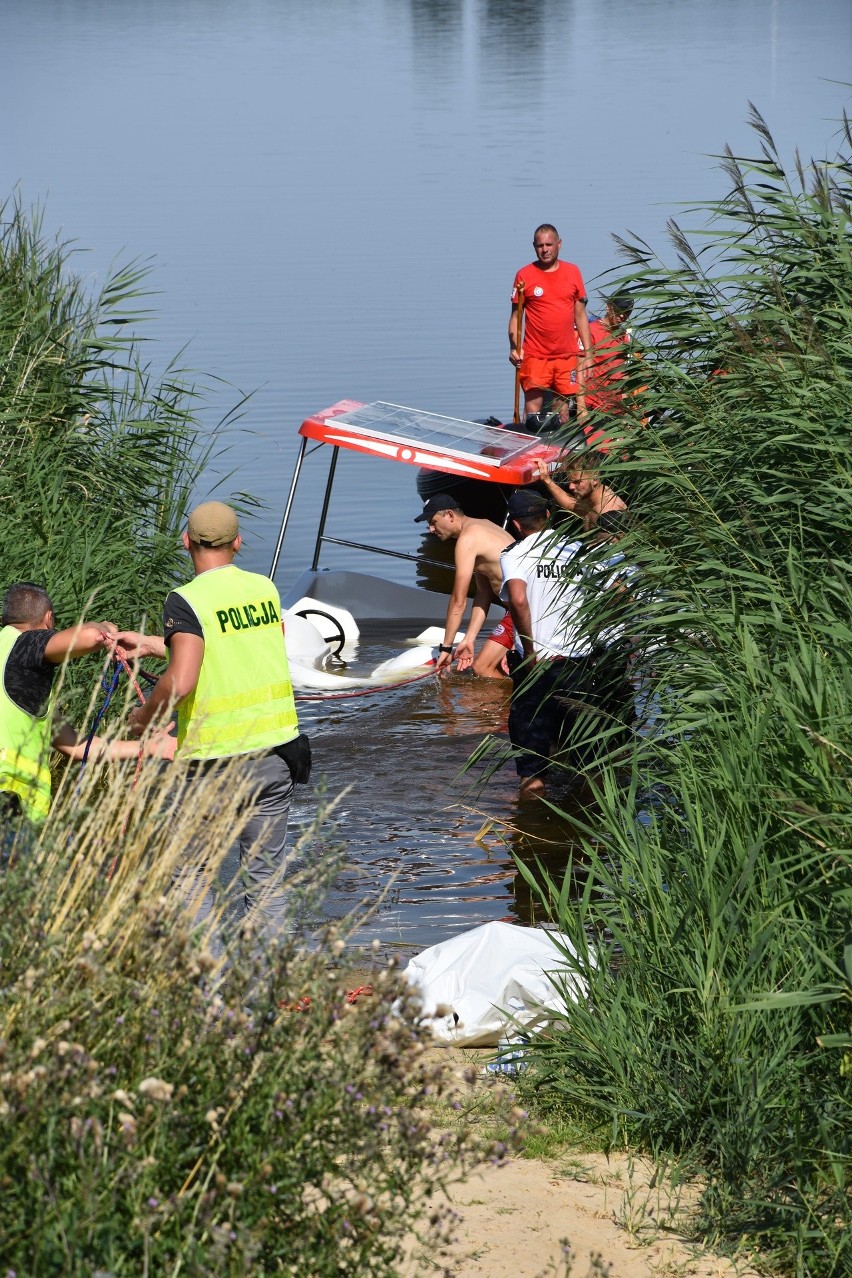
(716, 872)
(165, 1107)
(98, 456)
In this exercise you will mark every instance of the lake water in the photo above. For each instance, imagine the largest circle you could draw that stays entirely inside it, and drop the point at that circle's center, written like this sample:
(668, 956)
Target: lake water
(334, 198)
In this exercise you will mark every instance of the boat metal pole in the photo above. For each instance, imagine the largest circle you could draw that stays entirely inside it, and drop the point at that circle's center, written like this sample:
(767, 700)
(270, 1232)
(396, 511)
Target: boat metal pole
(380, 550)
(285, 517)
(518, 344)
(325, 504)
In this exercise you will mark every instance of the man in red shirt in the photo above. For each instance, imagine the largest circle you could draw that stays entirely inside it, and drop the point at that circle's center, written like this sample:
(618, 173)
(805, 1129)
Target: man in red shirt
(554, 316)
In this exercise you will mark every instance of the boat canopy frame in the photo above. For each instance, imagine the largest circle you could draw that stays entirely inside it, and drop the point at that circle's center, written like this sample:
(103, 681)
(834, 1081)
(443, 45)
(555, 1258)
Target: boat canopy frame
(396, 433)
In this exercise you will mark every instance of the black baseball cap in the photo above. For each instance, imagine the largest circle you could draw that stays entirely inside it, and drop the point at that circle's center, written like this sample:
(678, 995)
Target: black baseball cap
(525, 501)
(441, 501)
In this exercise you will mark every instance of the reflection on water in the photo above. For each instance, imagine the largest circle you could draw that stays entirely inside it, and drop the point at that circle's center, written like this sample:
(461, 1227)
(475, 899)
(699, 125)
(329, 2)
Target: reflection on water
(431, 553)
(336, 197)
(437, 839)
(514, 35)
(437, 25)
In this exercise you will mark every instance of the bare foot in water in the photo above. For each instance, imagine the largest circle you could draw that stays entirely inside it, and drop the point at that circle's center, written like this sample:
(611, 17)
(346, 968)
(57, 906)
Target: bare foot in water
(530, 787)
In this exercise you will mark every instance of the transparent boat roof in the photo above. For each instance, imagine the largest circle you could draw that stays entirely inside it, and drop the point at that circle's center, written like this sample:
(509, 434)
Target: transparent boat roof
(450, 435)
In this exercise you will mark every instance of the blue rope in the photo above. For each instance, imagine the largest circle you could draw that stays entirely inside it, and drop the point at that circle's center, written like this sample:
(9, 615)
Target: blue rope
(109, 686)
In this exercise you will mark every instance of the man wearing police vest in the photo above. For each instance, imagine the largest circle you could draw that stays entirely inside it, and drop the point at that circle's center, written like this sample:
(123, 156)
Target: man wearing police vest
(565, 673)
(31, 651)
(229, 679)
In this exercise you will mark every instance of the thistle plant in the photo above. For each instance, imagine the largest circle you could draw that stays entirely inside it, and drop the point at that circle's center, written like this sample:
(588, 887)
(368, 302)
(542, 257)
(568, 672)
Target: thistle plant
(177, 1099)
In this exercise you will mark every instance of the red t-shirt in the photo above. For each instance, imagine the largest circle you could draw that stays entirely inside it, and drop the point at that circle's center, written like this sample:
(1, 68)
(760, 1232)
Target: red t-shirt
(603, 378)
(549, 298)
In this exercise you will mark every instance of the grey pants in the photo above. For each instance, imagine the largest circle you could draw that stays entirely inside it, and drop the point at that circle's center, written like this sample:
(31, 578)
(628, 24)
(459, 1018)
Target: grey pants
(261, 845)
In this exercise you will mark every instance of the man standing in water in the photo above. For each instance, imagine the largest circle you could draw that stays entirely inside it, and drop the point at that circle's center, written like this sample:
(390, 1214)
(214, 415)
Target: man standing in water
(554, 312)
(542, 586)
(479, 543)
(229, 678)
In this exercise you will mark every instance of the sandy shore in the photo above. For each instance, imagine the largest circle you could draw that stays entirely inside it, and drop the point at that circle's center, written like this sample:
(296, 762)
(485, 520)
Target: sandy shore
(515, 1217)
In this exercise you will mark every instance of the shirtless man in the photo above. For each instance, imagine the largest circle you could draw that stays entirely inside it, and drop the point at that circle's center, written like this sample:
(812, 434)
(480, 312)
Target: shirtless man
(587, 495)
(477, 555)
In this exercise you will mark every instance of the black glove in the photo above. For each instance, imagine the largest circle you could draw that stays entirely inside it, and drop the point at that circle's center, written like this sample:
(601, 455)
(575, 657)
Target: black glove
(297, 755)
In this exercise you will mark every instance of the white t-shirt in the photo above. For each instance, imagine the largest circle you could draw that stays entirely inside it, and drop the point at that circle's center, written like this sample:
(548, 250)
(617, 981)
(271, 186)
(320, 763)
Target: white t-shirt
(550, 567)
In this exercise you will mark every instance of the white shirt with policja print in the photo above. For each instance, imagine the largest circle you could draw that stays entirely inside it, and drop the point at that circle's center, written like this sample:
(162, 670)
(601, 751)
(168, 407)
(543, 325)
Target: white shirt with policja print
(550, 566)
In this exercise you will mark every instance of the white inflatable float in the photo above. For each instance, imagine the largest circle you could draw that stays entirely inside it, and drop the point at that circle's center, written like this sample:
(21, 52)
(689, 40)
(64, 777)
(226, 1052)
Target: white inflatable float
(322, 638)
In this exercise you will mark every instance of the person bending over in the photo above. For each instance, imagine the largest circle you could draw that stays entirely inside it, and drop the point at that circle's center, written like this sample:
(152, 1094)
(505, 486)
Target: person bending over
(479, 543)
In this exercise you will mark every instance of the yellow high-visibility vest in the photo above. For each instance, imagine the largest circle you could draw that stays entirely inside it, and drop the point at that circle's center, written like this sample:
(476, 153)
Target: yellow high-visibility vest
(24, 744)
(243, 700)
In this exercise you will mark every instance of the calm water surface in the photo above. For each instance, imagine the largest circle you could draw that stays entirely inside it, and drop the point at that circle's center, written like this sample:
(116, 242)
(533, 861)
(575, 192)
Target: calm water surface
(335, 197)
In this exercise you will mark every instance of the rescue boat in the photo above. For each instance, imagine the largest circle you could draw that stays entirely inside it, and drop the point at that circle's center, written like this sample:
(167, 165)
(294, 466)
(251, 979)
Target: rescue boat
(335, 604)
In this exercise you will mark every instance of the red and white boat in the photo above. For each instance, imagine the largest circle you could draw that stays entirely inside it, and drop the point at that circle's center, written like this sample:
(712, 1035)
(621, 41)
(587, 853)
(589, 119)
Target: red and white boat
(334, 602)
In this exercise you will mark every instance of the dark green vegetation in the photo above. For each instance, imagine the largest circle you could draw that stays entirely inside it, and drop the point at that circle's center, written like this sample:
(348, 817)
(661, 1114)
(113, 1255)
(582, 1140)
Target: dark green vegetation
(97, 458)
(716, 876)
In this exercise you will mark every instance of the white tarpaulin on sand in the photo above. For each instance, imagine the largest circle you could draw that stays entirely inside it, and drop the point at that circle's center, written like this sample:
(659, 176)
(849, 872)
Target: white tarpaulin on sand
(492, 981)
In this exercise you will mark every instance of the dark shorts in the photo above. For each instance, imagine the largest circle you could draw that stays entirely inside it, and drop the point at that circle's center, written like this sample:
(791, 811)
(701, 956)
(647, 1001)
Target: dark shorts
(562, 705)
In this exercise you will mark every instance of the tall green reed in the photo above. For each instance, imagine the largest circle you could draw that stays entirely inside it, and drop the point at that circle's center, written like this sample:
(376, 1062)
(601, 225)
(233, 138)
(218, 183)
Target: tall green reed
(715, 870)
(99, 456)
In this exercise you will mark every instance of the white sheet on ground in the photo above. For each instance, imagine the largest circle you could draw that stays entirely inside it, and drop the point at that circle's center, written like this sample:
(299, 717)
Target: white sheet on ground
(491, 979)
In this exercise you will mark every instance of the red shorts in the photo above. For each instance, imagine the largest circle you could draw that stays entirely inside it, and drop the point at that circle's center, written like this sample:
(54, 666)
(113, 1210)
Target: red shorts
(559, 375)
(504, 632)
(614, 402)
